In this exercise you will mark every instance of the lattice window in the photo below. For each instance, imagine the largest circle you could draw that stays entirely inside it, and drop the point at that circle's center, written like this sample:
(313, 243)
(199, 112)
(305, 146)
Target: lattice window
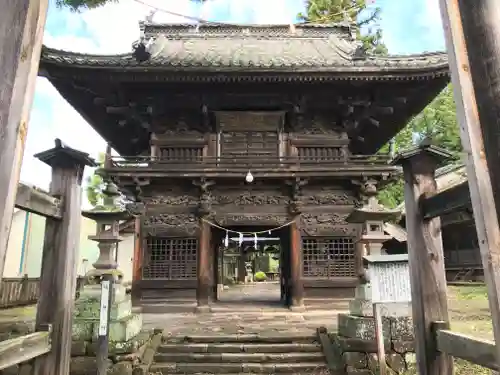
(170, 258)
(326, 258)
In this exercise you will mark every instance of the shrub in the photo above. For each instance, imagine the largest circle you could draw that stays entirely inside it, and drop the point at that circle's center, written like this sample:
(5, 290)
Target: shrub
(260, 276)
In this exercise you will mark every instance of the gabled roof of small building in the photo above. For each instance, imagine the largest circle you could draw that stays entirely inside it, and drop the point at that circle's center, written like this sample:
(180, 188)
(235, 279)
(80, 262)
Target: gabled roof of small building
(220, 47)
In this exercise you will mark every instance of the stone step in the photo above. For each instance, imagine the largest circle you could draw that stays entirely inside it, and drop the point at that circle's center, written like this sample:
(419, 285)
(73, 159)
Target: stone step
(234, 368)
(151, 307)
(243, 338)
(240, 348)
(227, 358)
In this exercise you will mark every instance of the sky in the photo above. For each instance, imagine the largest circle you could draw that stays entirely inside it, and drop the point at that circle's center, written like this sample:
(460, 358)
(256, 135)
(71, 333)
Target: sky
(409, 26)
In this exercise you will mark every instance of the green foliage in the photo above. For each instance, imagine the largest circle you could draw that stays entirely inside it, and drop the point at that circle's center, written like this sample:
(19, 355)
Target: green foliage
(438, 122)
(94, 190)
(260, 276)
(355, 11)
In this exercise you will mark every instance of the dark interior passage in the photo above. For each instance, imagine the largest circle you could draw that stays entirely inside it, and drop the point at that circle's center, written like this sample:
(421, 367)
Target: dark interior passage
(252, 270)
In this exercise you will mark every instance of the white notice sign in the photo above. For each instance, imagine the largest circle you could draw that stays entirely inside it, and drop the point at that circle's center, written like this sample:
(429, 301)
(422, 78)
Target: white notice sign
(389, 277)
(103, 315)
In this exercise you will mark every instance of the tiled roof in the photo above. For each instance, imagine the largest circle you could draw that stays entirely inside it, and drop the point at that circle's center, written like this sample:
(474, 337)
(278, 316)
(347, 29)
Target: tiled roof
(240, 48)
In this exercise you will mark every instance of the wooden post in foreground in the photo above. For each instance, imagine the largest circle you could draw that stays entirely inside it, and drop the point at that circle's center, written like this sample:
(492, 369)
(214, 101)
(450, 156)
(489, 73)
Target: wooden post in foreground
(425, 257)
(22, 23)
(472, 31)
(60, 248)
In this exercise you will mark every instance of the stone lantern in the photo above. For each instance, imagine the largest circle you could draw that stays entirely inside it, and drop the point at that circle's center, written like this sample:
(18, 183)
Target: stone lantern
(372, 216)
(123, 325)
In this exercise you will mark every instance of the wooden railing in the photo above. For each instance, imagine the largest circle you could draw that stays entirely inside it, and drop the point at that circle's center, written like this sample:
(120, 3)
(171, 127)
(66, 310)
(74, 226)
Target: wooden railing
(478, 351)
(245, 162)
(21, 291)
(25, 348)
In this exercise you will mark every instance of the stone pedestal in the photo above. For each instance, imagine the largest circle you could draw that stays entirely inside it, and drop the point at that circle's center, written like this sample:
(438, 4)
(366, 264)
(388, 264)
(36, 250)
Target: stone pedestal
(124, 325)
(361, 305)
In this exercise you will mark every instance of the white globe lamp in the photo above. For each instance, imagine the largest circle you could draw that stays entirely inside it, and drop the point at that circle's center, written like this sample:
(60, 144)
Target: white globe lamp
(249, 177)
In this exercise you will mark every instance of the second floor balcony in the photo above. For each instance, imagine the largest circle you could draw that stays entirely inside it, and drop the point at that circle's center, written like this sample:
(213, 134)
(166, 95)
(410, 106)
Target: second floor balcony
(259, 164)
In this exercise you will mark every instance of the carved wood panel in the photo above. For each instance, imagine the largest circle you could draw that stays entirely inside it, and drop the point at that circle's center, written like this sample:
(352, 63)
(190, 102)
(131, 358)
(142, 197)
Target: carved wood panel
(249, 144)
(167, 224)
(329, 195)
(327, 224)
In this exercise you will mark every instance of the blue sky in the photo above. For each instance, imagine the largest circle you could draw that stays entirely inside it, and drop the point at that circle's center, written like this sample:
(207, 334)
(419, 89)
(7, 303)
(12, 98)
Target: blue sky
(409, 26)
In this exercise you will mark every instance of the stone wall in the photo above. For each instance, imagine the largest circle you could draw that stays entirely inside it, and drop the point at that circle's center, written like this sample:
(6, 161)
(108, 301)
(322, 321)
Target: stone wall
(134, 358)
(356, 348)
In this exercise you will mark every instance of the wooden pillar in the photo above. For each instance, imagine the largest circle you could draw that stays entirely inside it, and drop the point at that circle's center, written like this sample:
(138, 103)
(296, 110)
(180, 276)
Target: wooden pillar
(60, 248)
(137, 263)
(204, 277)
(425, 256)
(22, 24)
(472, 34)
(297, 286)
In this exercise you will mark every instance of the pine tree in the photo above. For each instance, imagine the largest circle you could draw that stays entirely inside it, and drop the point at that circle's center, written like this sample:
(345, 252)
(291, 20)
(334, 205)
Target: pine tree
(355, 11)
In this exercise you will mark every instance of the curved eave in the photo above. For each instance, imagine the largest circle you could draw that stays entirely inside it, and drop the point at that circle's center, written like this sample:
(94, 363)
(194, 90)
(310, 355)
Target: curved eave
(393, 67)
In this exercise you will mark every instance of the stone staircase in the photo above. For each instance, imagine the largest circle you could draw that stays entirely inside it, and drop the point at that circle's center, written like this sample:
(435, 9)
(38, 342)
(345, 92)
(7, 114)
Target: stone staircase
(234, 354)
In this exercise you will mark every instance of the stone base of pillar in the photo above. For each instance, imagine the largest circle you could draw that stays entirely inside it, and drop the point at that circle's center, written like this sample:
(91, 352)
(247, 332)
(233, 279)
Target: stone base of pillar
(363, 307)
(203, 309)
(297, 308)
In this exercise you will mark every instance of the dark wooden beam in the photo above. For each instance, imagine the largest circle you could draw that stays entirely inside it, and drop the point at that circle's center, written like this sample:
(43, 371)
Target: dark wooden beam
(452, 200)
(37, 202)
(22, 24)
(426, 259)
(24, 348)
(472, 37)
(60, 246)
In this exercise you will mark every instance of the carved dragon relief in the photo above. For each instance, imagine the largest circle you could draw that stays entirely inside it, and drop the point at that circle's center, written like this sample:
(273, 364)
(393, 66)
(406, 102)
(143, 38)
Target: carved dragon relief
(327, 224)
(251, 219)
(169, 224)
(250, 198)
(327, 197)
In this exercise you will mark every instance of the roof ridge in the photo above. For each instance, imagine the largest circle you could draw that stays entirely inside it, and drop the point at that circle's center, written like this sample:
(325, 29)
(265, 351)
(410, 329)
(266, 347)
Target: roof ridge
(249, 25)
(48, 49)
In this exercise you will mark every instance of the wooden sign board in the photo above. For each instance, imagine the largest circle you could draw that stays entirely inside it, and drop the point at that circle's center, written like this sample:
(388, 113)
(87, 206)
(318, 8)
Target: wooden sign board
(389, 277)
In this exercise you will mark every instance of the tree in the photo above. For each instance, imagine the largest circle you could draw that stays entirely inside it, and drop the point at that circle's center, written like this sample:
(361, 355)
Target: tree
(95, 191)
(329, 11)
(438, 122)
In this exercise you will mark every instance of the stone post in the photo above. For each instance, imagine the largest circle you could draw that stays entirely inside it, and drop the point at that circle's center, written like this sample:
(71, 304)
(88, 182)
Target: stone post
(124, 326)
